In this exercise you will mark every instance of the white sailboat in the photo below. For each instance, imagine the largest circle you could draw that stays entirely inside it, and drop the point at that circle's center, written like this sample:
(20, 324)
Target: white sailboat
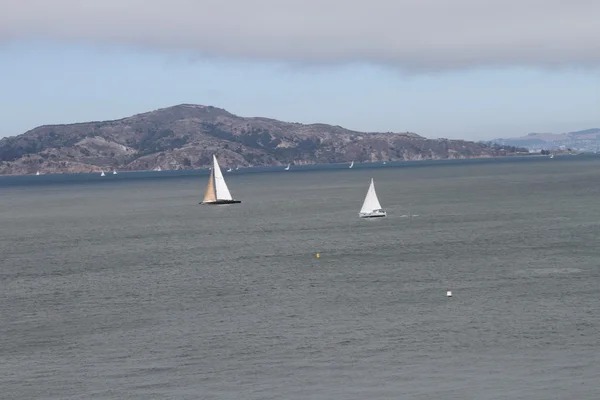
(229, 170)
(37, 173)
(114, 172)
(371, 207)
(102, 174)
(351, 164)
(217, 191)
(287, 168)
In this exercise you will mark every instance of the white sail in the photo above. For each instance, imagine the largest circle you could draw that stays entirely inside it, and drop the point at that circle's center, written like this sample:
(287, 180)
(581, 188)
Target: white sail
(221, 189)
(351, 164)
(371, 202)
(102, 174)
(288, 167)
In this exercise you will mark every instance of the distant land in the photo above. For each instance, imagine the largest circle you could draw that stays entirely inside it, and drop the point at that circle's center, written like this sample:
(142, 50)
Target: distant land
(582, 141)
(185, 137)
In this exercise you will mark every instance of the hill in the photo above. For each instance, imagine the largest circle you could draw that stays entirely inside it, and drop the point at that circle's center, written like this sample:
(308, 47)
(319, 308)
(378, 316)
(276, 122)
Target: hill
(185, 137)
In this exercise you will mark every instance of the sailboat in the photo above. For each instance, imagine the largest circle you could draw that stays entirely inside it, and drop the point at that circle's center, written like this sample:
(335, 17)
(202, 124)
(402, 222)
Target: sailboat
(371, 207)
(229, 170)
(217, 191)
(114, 172)
(37, 173)
(102, 174)
(351, 164)
(287, 168)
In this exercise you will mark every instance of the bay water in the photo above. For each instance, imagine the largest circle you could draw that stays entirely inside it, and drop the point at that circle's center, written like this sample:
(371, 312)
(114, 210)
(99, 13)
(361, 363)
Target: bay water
(119, 287)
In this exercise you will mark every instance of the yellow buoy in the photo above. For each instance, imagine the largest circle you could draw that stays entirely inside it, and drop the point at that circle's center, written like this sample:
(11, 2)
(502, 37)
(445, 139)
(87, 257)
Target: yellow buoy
(318, 255)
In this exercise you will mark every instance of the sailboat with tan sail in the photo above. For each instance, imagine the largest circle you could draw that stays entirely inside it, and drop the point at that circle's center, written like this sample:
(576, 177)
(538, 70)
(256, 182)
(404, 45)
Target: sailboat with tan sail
(217, 191)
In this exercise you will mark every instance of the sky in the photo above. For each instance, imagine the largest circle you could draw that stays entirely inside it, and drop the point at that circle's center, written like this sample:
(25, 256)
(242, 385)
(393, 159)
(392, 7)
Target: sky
(462, 69)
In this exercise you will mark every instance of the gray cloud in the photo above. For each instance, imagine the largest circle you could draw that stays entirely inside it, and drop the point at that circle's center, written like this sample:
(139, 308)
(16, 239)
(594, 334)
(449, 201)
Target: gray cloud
(411, 34)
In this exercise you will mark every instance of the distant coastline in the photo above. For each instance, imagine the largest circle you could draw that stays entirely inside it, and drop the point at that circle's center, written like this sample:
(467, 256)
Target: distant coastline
(62, 177)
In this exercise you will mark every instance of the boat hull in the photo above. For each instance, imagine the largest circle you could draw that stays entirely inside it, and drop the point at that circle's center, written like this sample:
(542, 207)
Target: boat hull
(221, 202)
(372, 215)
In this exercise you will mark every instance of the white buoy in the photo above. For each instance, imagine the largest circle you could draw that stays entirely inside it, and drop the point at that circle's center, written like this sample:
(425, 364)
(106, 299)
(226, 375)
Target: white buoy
(449, 293)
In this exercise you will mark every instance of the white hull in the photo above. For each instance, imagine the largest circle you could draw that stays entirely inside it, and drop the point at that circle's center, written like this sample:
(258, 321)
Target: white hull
(374, 214)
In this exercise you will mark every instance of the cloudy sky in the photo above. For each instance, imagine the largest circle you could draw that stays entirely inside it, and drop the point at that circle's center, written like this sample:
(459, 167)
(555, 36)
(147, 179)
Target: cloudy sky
(469, 69)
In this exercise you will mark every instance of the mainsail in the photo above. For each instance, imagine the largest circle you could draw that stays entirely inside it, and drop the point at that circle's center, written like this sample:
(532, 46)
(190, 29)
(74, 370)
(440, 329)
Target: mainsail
(221, 190)
(371, 202)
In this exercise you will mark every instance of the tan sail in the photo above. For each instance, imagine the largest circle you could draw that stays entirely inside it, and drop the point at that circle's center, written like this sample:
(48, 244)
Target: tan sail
(209, 195)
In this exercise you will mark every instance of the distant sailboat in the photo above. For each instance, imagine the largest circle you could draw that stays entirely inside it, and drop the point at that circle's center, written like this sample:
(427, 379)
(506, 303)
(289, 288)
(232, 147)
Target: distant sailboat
(102, 174)
(371, 207)
(287, 168)
(37, 173)
(217, 191)
(114, 172)
(351, 164)
(158, 169)
(229, 170)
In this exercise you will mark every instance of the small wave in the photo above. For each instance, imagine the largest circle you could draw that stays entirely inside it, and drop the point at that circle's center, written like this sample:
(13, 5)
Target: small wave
(548, 271)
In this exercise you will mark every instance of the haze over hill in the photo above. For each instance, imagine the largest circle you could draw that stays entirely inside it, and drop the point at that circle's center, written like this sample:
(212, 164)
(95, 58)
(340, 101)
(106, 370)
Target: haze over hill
(185, 137)
(584, 140)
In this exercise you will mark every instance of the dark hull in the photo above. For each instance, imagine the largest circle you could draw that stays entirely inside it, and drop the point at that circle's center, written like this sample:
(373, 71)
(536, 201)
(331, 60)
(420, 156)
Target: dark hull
(221, 202)
(373, 216)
